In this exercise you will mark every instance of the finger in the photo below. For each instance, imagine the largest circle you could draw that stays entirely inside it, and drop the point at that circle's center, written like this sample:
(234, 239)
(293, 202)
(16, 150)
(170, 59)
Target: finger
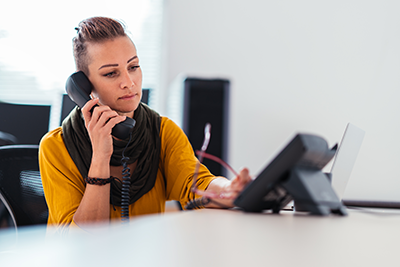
(92, 118)
(87, 109)
(244, 175)
(89, 105)
(114, 121)
(240, 181)
(106, 119)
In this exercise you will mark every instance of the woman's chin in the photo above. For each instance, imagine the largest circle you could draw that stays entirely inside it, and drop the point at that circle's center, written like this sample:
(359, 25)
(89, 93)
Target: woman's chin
(127, 110)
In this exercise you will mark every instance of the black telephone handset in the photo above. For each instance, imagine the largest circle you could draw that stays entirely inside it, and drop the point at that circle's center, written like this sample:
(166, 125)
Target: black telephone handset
(78, 88)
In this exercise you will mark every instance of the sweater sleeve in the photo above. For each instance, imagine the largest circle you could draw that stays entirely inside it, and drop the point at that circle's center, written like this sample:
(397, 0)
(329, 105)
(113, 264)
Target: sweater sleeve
(63, 185)
(178, 163)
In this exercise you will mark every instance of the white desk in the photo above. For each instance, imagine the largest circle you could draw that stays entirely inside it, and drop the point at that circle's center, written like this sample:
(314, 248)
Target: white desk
(222, 238)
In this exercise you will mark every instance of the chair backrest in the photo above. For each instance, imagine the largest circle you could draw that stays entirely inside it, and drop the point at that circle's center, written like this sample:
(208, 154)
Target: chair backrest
(21, 188)
(7, 139)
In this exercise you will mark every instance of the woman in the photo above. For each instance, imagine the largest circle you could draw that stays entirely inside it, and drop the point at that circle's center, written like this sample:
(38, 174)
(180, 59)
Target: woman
(80, 162)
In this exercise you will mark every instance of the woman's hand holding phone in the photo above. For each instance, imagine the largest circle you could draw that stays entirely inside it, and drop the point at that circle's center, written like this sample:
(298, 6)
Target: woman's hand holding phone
(99, 124)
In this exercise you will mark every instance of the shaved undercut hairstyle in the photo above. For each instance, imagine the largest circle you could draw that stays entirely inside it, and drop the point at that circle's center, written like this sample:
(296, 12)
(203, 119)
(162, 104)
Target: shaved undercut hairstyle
(94, 30)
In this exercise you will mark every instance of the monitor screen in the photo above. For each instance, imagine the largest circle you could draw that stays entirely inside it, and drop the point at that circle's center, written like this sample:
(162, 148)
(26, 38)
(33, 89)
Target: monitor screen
(28, 123)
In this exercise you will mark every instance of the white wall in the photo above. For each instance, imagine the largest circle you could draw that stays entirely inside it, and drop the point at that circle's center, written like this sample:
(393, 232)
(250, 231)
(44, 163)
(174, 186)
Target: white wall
(297, 66)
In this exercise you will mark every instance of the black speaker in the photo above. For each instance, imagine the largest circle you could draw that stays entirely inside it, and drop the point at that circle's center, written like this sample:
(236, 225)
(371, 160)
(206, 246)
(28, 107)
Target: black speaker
(207, 101)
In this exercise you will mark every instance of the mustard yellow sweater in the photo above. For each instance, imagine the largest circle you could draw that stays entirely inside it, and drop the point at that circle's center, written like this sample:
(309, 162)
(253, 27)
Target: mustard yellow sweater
(64, 186)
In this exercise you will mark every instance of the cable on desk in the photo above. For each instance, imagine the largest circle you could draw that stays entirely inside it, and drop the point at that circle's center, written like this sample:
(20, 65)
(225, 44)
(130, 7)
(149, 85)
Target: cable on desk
(376, 211)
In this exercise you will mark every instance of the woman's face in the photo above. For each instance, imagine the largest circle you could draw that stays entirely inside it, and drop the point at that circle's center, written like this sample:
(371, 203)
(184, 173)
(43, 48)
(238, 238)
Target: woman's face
(115, 74)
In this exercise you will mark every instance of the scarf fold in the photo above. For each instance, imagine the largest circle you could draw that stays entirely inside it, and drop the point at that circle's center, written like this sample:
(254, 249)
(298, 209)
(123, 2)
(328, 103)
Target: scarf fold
(144, 148)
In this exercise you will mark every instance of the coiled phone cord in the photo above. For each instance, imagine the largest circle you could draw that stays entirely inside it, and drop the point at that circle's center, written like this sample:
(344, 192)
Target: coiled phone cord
(126, 184)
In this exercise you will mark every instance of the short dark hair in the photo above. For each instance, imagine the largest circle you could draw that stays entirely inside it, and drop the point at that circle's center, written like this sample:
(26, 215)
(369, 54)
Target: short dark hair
(95, 30)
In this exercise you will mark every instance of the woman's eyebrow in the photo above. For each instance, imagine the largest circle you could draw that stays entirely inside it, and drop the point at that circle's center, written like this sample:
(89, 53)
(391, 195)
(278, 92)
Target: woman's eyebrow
(108, 65)
(131, 59)
(116, 65)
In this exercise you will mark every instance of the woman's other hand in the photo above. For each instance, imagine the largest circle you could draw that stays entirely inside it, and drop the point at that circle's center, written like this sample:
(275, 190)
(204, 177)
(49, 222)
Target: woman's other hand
(224, 192)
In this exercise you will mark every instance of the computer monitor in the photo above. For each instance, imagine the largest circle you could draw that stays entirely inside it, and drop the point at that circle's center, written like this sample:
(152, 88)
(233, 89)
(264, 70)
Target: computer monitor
(28, 123)
(346, 157)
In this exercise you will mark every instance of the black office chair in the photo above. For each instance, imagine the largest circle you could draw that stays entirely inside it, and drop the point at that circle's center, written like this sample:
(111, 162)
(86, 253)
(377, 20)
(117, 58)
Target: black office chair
(7, 139)
(21, 188)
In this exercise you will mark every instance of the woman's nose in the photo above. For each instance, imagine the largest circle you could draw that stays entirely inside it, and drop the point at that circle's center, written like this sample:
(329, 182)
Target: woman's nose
(126, 80)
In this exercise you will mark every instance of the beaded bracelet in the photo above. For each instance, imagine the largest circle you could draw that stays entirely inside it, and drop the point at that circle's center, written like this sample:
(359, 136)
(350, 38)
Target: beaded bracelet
(98, 181)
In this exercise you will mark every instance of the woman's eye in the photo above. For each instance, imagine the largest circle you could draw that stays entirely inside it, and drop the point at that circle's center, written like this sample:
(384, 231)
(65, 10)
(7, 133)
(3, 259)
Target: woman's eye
(134, 67)
(110, 74)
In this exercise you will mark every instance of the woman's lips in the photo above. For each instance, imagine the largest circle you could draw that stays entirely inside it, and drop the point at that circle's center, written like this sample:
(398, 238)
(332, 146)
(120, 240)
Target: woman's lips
(127, 97)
